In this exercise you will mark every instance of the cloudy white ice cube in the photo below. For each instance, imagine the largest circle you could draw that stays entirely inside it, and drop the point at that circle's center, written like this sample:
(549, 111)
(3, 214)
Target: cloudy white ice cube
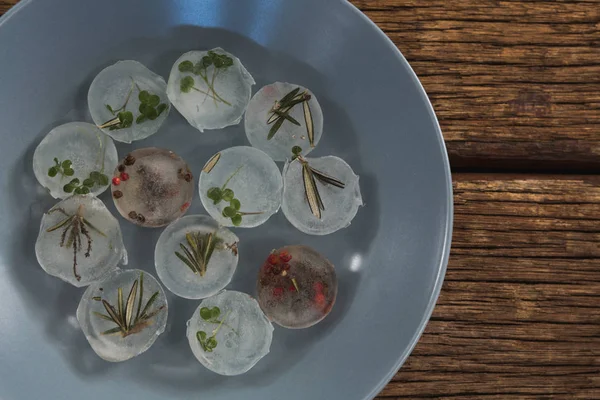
(85, 146)
(142, 332)
(80, 230)
(243, 338)
(179, 277)
(199, 104)
(119, 86)
(258, 122)
(254, 179)
(341, 205)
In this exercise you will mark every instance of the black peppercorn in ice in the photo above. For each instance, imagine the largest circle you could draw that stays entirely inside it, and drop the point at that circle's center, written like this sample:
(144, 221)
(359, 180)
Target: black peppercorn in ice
(152, 187)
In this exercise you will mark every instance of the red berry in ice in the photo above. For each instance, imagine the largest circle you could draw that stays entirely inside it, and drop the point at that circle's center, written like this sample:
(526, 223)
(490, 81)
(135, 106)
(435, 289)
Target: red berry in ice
(116, 181)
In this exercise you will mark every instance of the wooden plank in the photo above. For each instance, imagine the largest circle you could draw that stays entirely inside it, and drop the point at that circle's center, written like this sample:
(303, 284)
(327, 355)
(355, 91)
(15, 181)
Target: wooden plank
(519, 313)
(515, 84)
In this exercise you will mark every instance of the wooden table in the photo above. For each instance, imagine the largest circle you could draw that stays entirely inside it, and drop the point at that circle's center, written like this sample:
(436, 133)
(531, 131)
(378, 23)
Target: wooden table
(516, 87)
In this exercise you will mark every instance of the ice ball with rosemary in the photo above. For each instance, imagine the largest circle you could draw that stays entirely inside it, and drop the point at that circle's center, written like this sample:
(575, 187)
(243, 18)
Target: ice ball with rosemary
(320, 195)
(152, 187)
(211, 89)
(123, 315)
(80, 241)
(229, 333)
(74, 158)
(241, 186)
(195, 257)
(128, 101)
(296, 287)
(281, 116)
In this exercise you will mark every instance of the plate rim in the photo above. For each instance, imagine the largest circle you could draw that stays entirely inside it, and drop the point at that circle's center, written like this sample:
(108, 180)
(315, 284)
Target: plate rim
(447, 239)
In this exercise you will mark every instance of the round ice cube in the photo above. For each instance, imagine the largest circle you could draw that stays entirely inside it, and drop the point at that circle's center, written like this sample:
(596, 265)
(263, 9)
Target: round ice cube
(123, 315)
(75, 152)
(337, 187)
(80, 241)
(128, 101)
(195, 258)
(211, 89)
(229, 333)
(296, 287)
(268, 128)
(241, 186)
(152, 187)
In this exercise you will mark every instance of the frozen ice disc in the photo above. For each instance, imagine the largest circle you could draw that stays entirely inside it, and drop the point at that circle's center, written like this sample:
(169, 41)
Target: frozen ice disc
(123, 315)
(240, 186)
(339, 205)
(261, 121)
(296, 287)
(131, 88)
(211, 89)
(80, 241)
(229, 333)
(74, 151)
(152, 187)
(183, 271)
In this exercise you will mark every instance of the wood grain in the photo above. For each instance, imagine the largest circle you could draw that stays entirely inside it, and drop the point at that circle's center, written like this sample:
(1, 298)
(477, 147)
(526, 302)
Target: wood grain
(519, 313)
(515, 84)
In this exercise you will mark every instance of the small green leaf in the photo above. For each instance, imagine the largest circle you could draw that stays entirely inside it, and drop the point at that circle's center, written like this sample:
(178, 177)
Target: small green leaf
(95, 176)
(141, 118)
(68, 188)
(126, 118)
(69, 172)
(296, 150)
(67, 164)
(144, 96)
(228, 194)
(235, 203)
(275, 128)
(219, 63)
(215, 194)
(202, 335)
(161, 108)
(52, 172)
(88, 182)
(103, 180)
(186, 66)
(56, 161)
(211, 342)
(206, 61)
(154, 100)
(187, 83)
(229, 212)
(152, 114)
(74, 182)
(236, 220)
(205, 313)
(79, 190)
(215, 312)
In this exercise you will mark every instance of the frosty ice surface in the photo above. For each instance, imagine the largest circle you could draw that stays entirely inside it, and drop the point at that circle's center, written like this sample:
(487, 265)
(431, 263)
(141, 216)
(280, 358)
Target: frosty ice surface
(74, 157)
(281, 116)
(152, 187)
(229, 333)
(195, 258)
(128, 101)
(240, 186)
(211, 89)
(123, 315)
(80, 241)
(337, 197)
(296, 287)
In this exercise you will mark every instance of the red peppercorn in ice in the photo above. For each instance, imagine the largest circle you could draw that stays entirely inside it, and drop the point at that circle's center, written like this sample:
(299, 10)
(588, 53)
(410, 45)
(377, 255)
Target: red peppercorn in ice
(296, 287)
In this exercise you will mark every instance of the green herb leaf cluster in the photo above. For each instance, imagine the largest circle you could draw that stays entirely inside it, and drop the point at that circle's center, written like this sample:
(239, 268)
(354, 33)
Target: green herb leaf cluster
(196, 255)
(219, 62)
(150, 107)
(211, 315)
(296, 151)
(64, 168)
(223, 193)
(77, 187)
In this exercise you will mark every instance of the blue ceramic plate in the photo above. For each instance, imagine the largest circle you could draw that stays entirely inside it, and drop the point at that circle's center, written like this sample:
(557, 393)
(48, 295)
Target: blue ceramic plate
(390, 261)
